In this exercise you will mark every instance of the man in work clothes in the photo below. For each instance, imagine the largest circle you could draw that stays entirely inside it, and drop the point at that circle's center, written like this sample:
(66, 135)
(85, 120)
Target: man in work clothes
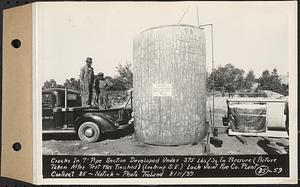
(103, 86)
(86, 82)
(96, 91)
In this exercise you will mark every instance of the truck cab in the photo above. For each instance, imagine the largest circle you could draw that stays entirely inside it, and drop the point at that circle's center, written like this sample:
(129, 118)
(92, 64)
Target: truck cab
(62, 113)
(53, 103)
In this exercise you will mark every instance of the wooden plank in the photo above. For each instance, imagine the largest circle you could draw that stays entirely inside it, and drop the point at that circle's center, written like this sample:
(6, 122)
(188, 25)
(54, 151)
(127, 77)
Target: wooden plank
(268, 133)
(262, 100)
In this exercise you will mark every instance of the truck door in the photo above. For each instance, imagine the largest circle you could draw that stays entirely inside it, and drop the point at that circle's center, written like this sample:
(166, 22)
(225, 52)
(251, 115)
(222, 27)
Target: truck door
(53, 117)
(73, 100)
(48, 105)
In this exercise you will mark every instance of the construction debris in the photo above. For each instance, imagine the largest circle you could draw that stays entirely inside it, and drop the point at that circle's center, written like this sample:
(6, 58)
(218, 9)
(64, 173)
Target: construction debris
(242, 139)
(216, 141)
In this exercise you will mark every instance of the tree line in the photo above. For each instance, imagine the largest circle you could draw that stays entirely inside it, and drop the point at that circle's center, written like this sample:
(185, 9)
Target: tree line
(122, 81)
(226, 79)
(232, 79)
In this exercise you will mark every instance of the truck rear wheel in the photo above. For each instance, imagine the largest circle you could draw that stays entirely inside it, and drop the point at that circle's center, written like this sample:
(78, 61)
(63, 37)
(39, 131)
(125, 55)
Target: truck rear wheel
(89, 132)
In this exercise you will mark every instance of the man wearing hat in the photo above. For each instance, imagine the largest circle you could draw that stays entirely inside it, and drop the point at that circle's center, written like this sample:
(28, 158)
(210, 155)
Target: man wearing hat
(101, 88)
(96, 91)
(86, 82)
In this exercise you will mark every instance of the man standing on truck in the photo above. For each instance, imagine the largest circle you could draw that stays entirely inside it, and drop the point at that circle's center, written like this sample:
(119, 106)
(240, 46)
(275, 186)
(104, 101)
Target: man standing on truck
(102, 85)
(96, 91)
(86, 82)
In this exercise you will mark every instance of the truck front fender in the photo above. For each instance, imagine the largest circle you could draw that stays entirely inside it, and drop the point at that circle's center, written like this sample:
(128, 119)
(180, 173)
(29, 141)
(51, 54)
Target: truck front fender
(104, 124)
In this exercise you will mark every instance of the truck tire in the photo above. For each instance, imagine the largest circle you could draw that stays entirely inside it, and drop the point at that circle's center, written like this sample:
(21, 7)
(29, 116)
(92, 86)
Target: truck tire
(88, 132)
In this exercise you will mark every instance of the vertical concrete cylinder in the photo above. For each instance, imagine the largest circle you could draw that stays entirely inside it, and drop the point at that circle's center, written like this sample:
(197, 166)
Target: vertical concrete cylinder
(170, 85)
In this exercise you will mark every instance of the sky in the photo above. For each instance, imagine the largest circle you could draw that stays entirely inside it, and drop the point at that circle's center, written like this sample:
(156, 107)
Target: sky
(250, 35)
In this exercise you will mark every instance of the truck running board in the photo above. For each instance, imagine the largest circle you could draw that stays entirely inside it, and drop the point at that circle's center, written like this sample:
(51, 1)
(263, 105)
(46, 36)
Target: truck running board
(59, 131)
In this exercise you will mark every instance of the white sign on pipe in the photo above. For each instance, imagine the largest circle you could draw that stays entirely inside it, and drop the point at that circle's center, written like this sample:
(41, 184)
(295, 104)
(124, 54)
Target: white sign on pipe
(161, 90)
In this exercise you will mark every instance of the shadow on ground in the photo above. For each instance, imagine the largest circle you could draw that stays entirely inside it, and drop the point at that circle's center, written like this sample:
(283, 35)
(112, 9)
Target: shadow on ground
(60, 136)
(285, 147)
(118, 134)
(270, 147)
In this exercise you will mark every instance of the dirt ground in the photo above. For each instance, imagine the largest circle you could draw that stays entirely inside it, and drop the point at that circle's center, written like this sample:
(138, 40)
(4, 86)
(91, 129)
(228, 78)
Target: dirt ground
(129, 145)
(125, 143)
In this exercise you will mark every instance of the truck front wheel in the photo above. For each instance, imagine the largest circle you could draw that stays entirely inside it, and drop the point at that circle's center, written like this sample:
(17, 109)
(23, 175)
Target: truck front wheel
(89, 132)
